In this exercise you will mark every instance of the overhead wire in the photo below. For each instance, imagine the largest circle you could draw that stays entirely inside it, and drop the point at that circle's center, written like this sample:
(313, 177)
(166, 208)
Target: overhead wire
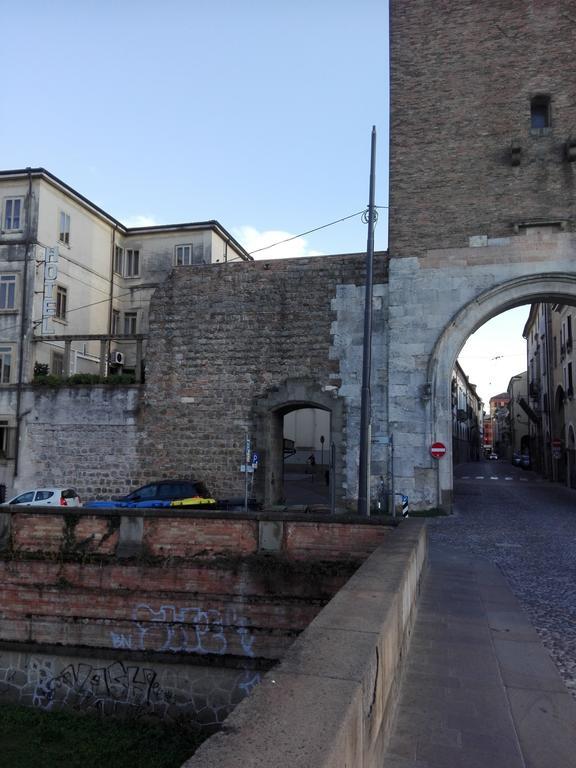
(257, 250)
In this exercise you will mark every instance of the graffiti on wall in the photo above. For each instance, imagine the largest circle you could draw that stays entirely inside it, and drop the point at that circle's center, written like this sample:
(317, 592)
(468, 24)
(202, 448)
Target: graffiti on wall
(171, 629)
(205, 696)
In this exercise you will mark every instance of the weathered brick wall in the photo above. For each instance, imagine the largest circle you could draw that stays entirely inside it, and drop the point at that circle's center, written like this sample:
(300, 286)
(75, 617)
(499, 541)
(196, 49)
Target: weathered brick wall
(199, 586)
(462, 78)
(223, 337)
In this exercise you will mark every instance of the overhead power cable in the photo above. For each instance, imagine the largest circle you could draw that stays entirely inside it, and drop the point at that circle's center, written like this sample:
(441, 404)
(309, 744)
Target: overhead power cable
(310, 231)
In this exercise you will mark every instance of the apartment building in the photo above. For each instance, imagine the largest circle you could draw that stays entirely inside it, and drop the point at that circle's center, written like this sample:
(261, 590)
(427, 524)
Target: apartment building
(500, 417)
(467, 421)
(519, 417)
(551, 369)
(75, 286)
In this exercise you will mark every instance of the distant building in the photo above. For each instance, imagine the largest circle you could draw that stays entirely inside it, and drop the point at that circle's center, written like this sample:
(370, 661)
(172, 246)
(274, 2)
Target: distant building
(467, 422)
(519, 420)
(499, 415)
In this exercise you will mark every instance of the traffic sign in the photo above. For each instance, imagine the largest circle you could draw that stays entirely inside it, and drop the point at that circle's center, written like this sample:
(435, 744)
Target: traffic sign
(437, 450)
(556, 448)
(556, 443)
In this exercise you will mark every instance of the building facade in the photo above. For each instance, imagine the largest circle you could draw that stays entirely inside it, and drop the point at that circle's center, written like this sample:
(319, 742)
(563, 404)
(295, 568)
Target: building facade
(551, 370)
(500, 417)
(75, 287)
(467, 421)
(518, 414)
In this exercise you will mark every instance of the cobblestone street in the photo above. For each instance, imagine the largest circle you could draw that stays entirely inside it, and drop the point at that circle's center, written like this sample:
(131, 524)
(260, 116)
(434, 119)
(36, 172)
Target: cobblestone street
(527, 527)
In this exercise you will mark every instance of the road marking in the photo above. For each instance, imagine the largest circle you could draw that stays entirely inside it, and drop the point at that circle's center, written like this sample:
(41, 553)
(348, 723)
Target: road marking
(479, 477)
(508, 478)
(523, 479)
(466, 477)
(494, 478)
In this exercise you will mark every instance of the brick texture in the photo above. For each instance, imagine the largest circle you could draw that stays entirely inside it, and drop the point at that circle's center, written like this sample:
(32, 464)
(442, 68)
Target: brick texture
(200, 586)
(462, 78)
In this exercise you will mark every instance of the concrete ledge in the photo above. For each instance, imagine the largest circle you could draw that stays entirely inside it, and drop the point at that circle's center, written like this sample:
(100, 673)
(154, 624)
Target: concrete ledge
(330, 702)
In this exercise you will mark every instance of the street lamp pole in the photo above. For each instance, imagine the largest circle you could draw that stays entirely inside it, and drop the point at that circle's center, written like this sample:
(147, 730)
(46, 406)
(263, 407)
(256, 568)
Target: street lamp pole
(365, 410)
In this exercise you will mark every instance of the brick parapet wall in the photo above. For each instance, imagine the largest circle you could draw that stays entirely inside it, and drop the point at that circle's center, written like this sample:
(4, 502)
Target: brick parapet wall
(200, 585)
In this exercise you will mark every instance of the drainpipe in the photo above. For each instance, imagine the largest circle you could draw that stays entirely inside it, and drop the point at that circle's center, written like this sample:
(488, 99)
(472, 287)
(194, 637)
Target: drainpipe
(110, 305)
(23, 308)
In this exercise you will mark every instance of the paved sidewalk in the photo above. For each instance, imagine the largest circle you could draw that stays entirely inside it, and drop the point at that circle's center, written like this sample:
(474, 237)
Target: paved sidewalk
(479, 689)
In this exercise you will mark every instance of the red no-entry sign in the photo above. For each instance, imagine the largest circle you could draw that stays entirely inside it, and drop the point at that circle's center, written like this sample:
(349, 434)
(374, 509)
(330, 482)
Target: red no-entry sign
(437, 450)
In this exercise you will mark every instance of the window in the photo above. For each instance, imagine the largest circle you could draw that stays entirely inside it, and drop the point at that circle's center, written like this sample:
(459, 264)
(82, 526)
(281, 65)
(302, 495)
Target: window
(5, 364)
(61, 302)
(540, 114)
(118, 260)
(7, 439)
(569, 332)
(130, 322)
(13, 207)
(57, 367)
(64, 232)
(115, 322)
(186, 255)
(132, 268)
(7, 292)
(24, 498)
(570, 381)
(43, 495)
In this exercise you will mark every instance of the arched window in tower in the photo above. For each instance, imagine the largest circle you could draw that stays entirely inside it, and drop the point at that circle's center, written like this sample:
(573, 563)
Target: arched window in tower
(540, 113)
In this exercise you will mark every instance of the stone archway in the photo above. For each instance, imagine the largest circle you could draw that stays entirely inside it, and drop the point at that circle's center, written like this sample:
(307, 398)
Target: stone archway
(554, 288)
(294, 394)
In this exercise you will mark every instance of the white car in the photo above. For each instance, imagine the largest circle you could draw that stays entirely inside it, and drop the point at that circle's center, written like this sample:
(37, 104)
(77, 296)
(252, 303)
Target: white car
(46, 497)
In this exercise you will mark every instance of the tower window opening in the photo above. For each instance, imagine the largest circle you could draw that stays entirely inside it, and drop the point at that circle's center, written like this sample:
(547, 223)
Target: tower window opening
(540, 113)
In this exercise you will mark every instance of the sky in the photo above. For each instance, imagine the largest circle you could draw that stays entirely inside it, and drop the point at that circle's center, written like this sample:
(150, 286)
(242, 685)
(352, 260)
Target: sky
(254, 113)
(495, 353)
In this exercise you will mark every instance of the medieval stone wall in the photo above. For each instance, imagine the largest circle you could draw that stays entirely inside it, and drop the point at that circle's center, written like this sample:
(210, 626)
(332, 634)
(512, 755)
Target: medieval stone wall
(224, 337)
(463, 75)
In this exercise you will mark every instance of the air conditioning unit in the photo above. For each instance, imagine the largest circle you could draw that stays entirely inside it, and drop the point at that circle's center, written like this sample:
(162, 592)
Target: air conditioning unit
(117, 358)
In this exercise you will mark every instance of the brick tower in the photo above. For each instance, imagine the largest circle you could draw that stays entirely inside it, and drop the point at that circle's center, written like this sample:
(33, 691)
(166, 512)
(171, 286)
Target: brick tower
(483, 120)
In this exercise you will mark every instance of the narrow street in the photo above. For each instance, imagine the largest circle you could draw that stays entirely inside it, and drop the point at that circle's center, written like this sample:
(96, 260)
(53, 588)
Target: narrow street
(527, 527)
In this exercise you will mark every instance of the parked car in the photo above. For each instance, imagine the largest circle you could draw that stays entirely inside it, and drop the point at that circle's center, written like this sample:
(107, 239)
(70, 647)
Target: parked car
(46, 497)
(517, 460)
(493, 456)
(158, 494)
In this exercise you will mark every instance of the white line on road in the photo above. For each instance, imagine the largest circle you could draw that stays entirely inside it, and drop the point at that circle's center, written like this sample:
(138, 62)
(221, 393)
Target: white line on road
(479, 477)
(494, 478)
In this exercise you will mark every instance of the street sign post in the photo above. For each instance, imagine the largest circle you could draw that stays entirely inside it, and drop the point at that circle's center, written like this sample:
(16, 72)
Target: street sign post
(556, 448)
(437, 450)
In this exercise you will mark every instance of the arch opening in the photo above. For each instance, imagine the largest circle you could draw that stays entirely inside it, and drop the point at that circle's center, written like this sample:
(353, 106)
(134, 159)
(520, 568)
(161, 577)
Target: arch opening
(554, 290)
(297, 424)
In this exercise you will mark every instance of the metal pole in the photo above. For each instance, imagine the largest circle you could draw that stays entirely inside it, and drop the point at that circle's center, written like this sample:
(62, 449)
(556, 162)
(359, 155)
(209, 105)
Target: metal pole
(365, 415)
(332, 465)
(247, 459)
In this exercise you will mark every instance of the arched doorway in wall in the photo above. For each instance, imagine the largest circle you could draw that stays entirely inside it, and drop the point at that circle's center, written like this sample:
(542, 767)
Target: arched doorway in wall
(291, 422)
(553, 289)
(306, 443)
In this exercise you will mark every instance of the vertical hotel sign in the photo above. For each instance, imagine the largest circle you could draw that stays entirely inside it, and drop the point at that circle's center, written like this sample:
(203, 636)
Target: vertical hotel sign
(50, 277)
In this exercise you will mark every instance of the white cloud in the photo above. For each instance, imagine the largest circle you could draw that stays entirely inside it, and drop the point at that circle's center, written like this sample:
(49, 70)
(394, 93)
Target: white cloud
(140, 220)
(253, 240)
